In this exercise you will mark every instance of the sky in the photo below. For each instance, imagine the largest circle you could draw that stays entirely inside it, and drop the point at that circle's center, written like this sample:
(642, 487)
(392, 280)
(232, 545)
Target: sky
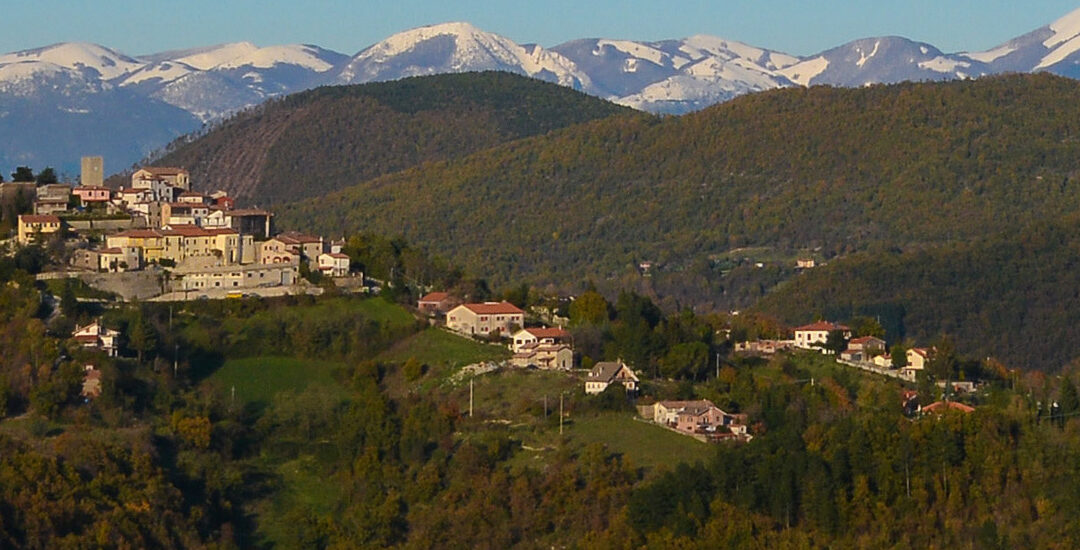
(797, 27)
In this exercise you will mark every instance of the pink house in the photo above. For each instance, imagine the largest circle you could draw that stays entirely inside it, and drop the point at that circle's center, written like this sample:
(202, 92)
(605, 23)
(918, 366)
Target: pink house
(89, 194)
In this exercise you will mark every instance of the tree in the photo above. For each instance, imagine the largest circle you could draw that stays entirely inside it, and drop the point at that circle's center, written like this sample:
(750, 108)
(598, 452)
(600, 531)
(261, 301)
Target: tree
(1068, 400)
(590, 308)
(47, 176)
(867, 326)
(835, 341)
(899, 356)
(22, 174)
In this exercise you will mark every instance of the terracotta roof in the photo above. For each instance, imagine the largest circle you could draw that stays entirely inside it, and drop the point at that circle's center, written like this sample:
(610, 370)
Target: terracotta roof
(921, 351)
(164, 170)
(552, 332)
(435, 297)
(191, 194)
(140, 233)
(292, 237)
(822, 325)
(493, 308)
(38, 218)
(113, 250)
(942, 406)
(338, 255)
(90, 188)
(865, 339)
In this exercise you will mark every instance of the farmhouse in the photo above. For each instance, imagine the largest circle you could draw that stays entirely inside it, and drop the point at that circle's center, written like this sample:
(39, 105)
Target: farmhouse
(484, 319)
(32, 227)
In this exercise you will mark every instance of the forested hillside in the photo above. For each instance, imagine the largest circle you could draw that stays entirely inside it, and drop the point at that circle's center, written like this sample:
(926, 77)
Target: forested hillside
(315, 142)
(794, 169)
(1013, 296)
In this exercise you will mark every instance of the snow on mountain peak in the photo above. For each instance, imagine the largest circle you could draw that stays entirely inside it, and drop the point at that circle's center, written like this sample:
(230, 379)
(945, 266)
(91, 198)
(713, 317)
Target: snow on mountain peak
(76, 56)
(218, 55)
(1065, 29)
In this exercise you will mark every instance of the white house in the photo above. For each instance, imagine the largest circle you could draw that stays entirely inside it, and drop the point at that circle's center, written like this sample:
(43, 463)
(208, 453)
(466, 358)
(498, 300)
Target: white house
(816, 334)
(95, 336)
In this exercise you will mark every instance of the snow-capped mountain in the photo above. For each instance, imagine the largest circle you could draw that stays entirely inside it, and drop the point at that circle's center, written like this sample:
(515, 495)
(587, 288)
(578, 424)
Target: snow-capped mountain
(104, 101)
(882, 60)
(457, 48)
(675, 76)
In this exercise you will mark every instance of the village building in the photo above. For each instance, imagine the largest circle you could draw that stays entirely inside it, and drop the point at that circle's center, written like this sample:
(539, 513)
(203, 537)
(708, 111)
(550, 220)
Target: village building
(249, 221)
(307, 246)
(485, 319)
(234, 277)
(763, 347)
(95, 336)
(334, 264)
(183, 213)
(863, 349)
(606, 373)
(33, 227)
(52, 198)
(815, 335)
(538, 335)
(544, 356)
(170, 176)
(435, 303)
(119, 259)
(91, 196)
(917, 359)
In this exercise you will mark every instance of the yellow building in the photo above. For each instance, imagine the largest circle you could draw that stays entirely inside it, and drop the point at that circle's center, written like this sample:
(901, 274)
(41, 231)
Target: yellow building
(33, 227)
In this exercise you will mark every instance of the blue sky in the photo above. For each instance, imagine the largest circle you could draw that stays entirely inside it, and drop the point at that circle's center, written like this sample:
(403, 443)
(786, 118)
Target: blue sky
(793, 26)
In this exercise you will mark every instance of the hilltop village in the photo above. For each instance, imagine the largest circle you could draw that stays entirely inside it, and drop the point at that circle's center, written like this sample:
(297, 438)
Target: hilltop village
(188, 244)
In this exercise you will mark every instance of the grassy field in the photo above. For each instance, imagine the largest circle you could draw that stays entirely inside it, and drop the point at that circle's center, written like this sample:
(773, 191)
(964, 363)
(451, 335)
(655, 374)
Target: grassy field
(644, 444)
(258, 379)
(439, 347)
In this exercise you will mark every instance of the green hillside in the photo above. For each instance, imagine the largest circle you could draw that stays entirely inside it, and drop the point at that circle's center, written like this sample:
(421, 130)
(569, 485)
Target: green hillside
(1013, 296)
(315, 142)
(833, 170)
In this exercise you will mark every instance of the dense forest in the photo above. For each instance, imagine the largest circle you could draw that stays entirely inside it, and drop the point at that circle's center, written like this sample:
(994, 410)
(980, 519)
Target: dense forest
(315, 142)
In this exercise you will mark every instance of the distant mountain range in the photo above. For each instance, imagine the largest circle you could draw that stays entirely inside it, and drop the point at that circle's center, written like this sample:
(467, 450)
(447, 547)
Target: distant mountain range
(60, 102)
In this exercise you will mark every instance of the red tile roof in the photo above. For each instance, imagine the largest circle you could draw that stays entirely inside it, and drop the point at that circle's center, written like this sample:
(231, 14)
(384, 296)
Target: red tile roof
(822, 325)
(38, 218)
(865, 339)
(553, 332)
(292, 237)
(494, 308)
(435, 297)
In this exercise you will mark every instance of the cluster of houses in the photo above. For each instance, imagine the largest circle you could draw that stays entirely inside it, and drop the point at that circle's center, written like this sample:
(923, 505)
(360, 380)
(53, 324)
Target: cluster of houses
(701, 419)
(160, 220)
(868, 351)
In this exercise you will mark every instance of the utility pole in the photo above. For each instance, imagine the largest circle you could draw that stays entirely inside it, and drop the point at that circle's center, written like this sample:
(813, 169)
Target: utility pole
(717, 365)
(545, 406)
(175, 359)
(470, 397)
(560, 413)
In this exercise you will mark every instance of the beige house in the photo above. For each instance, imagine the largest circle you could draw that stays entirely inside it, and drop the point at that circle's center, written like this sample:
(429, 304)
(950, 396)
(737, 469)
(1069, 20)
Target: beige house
(435, 302)
(606, 373)
(183, 213)
(537, 335)
(115, 260)
(814, 335)
(32, 227)
(334, 264)
(52, 198)
(544, 356)
(174, 177)
(484, 319)
(667, 412)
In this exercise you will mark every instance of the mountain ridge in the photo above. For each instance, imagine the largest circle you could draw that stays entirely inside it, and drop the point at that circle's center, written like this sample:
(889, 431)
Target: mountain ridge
(669, 76)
